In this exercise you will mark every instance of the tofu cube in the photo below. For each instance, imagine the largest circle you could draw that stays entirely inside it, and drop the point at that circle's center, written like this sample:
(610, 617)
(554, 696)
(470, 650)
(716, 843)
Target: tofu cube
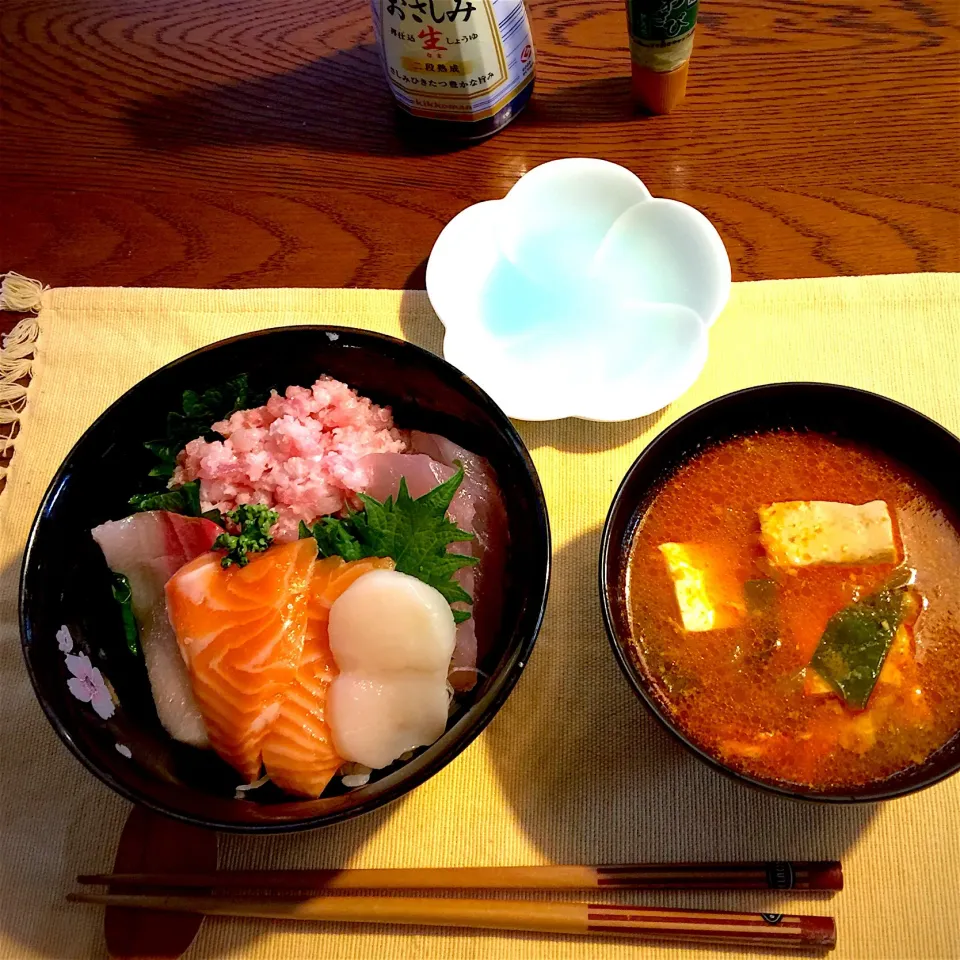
(704, 579)
(801, 533)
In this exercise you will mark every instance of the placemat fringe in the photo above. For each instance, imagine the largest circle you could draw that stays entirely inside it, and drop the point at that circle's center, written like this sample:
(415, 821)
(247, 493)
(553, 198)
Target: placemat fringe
(18, 294)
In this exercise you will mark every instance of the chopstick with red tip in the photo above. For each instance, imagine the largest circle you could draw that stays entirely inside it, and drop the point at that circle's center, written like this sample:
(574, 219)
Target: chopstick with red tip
(774, 875)
(589, 919)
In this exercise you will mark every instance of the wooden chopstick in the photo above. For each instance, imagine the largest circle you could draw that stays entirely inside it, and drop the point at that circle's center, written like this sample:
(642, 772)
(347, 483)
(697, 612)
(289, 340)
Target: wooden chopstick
(596, 919)
(782, 875)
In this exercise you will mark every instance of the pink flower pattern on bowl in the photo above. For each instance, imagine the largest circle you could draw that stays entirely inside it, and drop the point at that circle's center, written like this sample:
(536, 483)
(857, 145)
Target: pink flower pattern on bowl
(64, 640)
(86, 683)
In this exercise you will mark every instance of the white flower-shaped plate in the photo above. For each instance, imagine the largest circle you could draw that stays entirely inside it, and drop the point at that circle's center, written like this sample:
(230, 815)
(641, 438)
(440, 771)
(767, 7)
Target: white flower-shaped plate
(579, 294)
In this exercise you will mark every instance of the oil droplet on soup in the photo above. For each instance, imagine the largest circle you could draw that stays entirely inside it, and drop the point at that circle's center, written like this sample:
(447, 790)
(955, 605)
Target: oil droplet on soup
(744, 693)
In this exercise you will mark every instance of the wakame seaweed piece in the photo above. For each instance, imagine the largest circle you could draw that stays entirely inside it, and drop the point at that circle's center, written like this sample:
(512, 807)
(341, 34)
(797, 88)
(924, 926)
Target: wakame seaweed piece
(760, 596)
(855, 642)
(124, 597)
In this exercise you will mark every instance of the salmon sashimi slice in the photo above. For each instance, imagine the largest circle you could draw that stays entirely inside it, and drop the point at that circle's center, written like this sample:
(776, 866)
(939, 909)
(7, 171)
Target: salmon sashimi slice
(298, 750)
(241, 632)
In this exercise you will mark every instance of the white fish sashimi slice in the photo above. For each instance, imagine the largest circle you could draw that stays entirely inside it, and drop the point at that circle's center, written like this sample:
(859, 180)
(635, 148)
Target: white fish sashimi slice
(156, 540)
(169, 681)
(384, 471)
(479, 484)
(423, 472)
(489, 524)
(391, 637)
(148, 548)
(463, 663)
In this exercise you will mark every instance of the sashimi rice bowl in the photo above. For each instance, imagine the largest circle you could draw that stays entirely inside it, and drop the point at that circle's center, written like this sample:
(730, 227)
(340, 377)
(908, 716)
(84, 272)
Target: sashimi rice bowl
(313, 591)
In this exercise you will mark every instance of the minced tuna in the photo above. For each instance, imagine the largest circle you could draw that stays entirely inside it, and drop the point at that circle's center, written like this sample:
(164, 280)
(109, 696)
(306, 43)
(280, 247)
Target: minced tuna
(298, 454)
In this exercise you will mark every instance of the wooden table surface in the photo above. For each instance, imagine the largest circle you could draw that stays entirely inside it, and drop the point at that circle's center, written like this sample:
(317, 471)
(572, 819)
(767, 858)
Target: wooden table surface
(233, 143)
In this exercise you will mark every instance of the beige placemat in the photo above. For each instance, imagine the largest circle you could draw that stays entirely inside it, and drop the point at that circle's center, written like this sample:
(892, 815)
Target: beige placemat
(572, 769)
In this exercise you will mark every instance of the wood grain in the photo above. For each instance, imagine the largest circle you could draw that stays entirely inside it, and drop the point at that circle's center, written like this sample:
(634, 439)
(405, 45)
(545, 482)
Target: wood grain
(774, 875)
(696, 927)
(231, 143)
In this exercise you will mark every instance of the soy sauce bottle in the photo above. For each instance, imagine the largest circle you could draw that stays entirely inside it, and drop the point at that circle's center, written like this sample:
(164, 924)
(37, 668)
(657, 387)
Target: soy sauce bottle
(459, 69)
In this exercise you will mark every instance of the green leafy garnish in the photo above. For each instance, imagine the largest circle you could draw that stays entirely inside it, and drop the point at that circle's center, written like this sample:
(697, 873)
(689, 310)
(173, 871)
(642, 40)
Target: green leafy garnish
(254, 521)
(184, 499)
(122, 594)
(199, 412)
(415, 534)
(855, 642)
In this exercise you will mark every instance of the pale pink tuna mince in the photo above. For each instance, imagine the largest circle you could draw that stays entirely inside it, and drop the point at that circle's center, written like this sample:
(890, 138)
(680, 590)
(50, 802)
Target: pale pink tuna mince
(298, 454)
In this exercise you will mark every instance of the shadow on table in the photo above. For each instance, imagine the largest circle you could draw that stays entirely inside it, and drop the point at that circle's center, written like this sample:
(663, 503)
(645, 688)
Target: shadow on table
(59, 821)
(573, 435)
(599, 100)
(337, 103)
(592, 778)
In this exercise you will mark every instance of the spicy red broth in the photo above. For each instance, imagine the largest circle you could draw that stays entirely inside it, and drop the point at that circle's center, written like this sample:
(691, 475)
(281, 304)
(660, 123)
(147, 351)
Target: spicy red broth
(748, 691)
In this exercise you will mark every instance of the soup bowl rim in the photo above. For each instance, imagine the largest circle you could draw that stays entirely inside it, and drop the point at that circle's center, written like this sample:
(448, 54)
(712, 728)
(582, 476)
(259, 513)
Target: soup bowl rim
(612, 557)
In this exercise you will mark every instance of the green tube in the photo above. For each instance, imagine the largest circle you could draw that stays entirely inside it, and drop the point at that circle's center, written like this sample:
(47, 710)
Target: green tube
(661, 43)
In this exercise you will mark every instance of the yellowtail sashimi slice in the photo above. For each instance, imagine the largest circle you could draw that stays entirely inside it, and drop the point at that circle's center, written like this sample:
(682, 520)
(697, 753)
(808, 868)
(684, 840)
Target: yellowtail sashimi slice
(148, 548)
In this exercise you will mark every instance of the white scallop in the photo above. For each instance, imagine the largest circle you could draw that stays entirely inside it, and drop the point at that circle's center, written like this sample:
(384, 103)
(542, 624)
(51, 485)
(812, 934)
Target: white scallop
(388, 621)
(377, 718)
(392, 637)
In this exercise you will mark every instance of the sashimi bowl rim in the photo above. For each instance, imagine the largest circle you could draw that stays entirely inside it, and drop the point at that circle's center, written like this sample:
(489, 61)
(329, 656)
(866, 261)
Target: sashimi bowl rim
(660, 457)
(429, 760)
